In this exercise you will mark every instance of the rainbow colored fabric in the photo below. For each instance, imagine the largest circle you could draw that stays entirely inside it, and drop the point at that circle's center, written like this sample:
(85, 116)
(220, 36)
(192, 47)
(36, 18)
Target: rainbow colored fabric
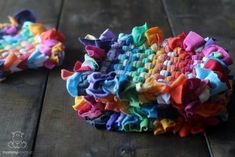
(140, 82)
(25, 44)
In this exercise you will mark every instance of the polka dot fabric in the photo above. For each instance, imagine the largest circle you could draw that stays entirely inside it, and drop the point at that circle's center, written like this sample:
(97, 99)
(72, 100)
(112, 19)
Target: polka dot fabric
(25, 44)
(139, 82)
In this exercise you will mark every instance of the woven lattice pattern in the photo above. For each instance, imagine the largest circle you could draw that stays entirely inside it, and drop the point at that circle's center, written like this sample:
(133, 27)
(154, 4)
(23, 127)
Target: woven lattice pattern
(141, 82)
(25, 44)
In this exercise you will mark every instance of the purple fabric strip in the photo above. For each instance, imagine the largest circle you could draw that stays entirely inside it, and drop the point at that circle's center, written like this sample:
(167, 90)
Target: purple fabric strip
(111, 121)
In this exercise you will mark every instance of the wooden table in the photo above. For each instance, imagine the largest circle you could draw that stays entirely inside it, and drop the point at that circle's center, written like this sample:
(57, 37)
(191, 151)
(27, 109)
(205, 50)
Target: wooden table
(36, 103)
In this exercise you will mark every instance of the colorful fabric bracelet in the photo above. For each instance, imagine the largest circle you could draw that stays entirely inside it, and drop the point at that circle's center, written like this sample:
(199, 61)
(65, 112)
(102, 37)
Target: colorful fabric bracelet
(139, 82)
(25, 44)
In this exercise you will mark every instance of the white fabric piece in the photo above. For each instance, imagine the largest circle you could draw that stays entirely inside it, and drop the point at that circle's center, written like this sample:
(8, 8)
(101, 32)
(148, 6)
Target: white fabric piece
(205, 95)
(154, 47)
(90, 37)
(163, 98)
